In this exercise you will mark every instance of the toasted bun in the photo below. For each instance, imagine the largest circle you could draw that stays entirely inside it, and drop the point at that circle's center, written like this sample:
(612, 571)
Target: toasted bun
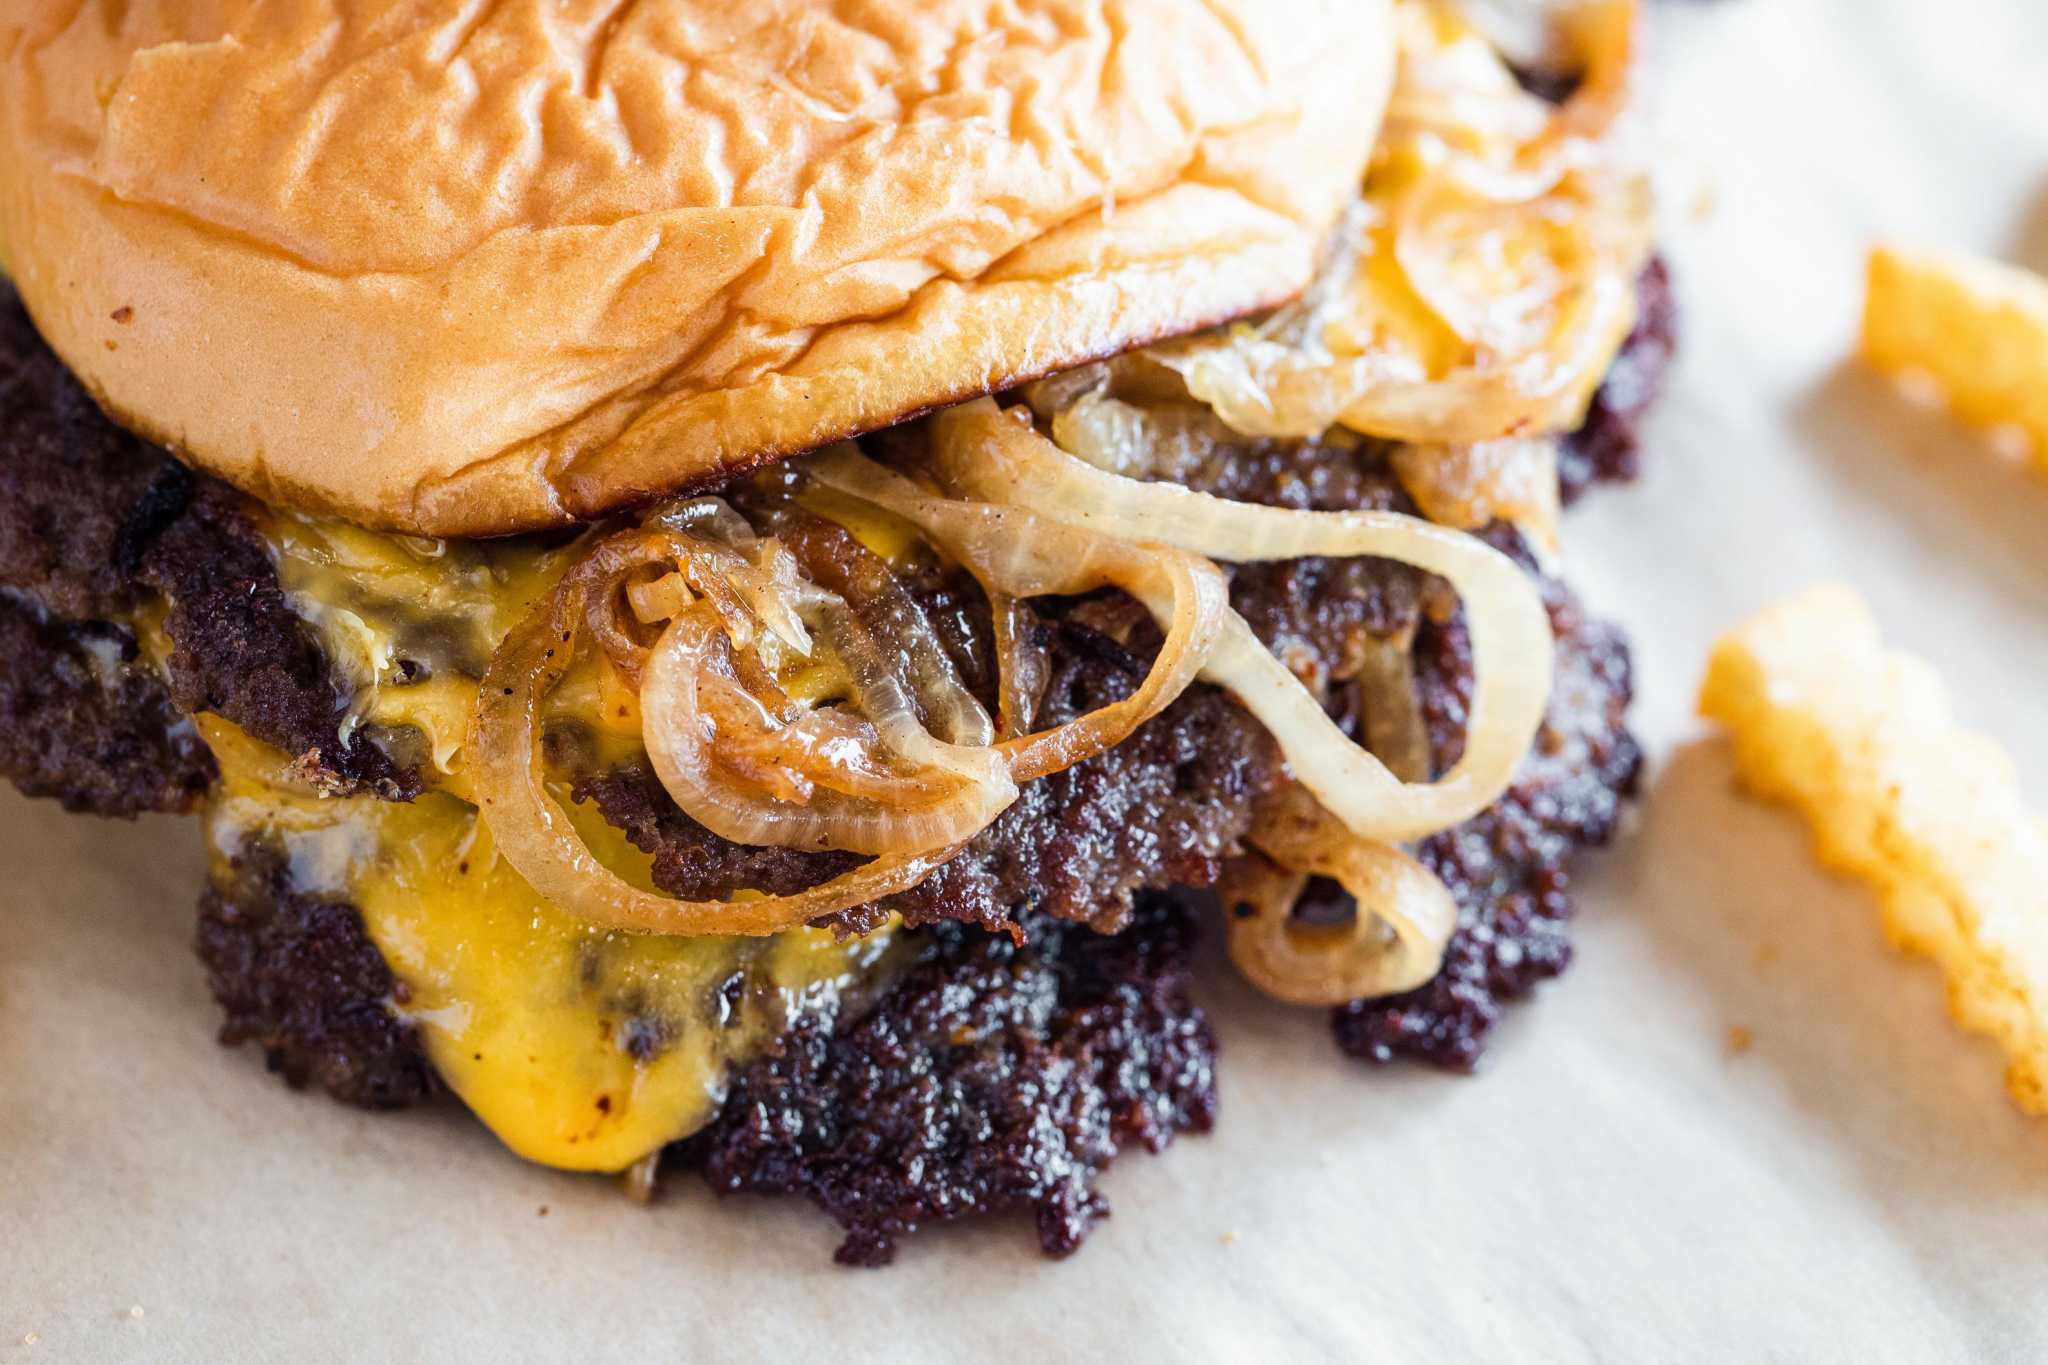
(465, 269)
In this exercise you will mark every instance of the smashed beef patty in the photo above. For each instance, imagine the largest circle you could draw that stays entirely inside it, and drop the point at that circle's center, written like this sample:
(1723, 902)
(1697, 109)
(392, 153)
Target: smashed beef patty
(98, 526)
(1164, 808)
(84, 722)
(100, 530)
(297, 973)
(994, 1074)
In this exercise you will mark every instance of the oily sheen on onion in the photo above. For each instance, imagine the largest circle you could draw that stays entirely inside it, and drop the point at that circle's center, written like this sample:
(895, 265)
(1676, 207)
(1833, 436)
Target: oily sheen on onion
(1345, 810)
(995, 456)
(1395, 942)
(751, 763)
(535, 835)
(1479, 289)
(728, 608)
(1489, 271)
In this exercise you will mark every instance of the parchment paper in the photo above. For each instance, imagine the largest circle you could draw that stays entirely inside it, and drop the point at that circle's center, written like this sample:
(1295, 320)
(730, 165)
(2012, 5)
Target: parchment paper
(1618, 1185)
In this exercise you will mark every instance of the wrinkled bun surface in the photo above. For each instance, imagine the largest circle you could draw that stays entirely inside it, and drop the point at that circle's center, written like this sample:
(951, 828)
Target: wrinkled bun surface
(465, 268)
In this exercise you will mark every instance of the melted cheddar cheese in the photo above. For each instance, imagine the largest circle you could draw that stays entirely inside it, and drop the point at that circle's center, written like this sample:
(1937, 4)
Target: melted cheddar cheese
(882, 531)
(579, 1047)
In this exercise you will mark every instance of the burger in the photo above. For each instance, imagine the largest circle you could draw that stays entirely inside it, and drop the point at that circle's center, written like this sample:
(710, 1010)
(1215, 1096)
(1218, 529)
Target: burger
(732, 585)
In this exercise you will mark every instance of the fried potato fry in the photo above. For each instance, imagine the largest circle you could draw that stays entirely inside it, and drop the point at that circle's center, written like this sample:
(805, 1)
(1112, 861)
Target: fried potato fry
(1862, 743)
(1977, 328)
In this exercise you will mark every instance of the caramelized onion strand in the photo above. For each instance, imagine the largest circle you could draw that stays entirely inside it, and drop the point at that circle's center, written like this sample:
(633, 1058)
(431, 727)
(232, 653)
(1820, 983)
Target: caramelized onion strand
(535, 834)
(1395, 941)
(1017, 552)
(992, 455)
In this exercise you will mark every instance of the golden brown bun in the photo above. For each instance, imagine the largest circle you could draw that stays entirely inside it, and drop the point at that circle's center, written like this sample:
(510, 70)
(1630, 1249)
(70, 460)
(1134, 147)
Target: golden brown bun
(463, 268)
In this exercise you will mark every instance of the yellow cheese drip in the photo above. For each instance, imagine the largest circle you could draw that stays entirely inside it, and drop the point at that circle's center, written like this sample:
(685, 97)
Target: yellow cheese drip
(883, 532)
(580, 1048)
(411, 622)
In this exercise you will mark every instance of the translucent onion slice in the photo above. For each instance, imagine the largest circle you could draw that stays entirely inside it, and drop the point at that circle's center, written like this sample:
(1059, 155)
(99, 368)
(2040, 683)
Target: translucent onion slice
(661, 599)
(710, 517)
(1511, 145)
(1390, 706)
(749, 576)
(1468, 486)
(886, 700)
(992, 455)
(1492, 272)
(888, 618)
(534, 833)
(685, 750)
(1017, 552)
(1022, 665)
(593, 580)
(1607, 39)
(783, 775)
(767, 739)
(1270, 387)
(1542, 292)
(1395, 942)
(690, 567)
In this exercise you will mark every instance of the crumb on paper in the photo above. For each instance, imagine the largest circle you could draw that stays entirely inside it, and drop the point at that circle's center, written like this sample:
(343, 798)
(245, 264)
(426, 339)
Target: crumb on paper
(1229, 1238)
(1967, 334)
(31, 1338)
(543, 1210)
(1930, 815)
(1739, 1040)
(135, 1313)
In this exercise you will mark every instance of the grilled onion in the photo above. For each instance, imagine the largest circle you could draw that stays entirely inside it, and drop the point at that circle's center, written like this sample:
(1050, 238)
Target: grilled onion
(992, 455)
(1022, 666)
(1014, 551)
(1489, 275)
(877, 816)
(1467, 486)
(1394, 943)
(885, 617)
(534, 833)
(742, 758)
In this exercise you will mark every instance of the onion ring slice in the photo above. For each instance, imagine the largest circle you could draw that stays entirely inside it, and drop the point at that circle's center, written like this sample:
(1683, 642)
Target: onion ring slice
(995, 456)
(534, 833)
(681, 748)
(1016, 552)
(1330, 965)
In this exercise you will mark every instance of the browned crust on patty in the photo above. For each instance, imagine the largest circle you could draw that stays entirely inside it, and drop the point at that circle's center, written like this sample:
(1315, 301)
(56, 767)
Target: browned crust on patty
(97, 526)
(297, 975)
(82, 722)
(993, 1076)
(986, 1041)
(1164, 808)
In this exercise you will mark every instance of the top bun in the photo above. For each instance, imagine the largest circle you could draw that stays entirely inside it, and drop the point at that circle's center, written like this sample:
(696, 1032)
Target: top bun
(463, 269)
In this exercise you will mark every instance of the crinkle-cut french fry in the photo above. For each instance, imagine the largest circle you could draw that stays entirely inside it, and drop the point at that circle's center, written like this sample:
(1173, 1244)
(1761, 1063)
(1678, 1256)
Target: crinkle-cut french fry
(1861, 741)
(1977, 328)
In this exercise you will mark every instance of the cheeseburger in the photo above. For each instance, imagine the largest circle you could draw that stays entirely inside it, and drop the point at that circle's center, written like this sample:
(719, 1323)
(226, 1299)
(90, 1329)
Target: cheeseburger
(732, 583)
